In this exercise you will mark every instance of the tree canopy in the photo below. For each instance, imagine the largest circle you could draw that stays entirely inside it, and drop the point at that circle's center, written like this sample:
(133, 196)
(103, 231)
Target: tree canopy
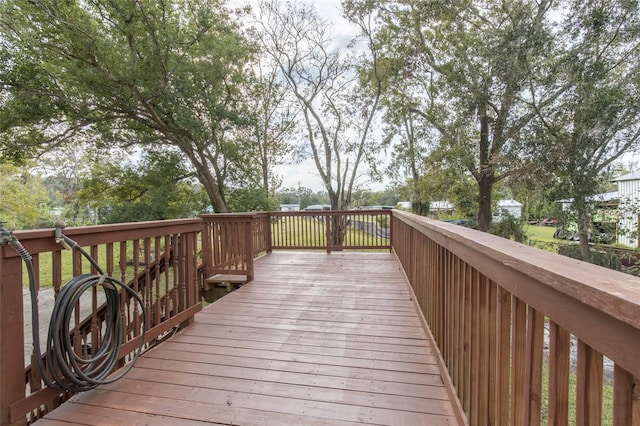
(461, 68)
(125, 73)
(580, 135)
(459, 93)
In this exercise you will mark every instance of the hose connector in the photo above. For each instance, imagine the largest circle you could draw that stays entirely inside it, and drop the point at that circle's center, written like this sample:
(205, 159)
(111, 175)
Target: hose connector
(6, 236)
(59, 237)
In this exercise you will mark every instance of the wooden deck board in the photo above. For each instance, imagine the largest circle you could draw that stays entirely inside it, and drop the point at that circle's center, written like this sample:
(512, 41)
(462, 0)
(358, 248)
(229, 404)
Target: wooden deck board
(315, 339)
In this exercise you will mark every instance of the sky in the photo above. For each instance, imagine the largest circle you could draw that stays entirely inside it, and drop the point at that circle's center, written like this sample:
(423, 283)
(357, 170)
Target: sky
(305, 173)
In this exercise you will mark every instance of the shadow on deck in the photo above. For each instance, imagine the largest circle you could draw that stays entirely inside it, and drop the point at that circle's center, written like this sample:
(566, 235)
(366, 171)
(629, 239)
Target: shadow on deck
(315, 338)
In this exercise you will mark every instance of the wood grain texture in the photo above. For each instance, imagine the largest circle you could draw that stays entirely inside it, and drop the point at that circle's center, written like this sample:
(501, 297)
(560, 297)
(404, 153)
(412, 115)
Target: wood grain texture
(316, 338)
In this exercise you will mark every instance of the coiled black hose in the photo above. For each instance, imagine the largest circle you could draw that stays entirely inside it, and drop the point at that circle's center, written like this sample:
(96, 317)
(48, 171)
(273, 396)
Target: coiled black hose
(66, 369)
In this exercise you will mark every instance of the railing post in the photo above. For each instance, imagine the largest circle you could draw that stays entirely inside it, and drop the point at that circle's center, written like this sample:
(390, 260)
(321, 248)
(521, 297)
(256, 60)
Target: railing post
(11, 336)
(267, 231)
(248, 243)
(207, 246)
(327, 228)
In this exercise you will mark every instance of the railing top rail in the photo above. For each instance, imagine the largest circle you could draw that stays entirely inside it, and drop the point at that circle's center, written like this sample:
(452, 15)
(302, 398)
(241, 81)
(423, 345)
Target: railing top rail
(611, 292)
(230, 215)
(330, 212)
(42, 240)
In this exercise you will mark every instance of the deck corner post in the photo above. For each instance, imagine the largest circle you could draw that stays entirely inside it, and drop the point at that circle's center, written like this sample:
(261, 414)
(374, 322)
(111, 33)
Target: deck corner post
(11, 337)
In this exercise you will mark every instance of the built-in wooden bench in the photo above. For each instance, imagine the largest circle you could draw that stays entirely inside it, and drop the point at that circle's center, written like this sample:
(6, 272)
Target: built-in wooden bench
(218, 285)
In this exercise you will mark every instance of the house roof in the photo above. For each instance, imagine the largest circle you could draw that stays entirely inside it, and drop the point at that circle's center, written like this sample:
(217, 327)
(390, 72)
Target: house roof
(509, 203)
(607, 196)
(316, 207)
(635, 175)
(440, 205)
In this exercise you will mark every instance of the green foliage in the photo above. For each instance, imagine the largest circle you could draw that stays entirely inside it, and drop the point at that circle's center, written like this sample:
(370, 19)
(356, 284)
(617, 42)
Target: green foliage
(578, 136)
(124, 73)
(383, 221)
(23, 199)
(252, 200)
(598, 257)
(457, 75)
(303, 196)
(157, 188)
(510, 227)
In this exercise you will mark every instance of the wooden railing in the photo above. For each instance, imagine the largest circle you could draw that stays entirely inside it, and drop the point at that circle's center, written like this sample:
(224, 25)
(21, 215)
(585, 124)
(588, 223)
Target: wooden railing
(331, 230)
(159, 260)
(508, 318)
(231, 241)
(526, 336)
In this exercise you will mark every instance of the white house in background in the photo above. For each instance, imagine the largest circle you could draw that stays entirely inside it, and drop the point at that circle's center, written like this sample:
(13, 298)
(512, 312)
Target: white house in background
(511, 207)
(436, 208)
(318, 207)
(289, 207)
(599, 200)
(629, 195)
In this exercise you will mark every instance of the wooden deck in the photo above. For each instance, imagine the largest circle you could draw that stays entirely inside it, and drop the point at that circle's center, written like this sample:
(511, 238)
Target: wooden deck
(315, 339)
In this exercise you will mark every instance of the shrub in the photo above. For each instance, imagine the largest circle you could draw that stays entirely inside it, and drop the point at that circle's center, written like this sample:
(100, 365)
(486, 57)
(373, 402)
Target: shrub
(509, 227)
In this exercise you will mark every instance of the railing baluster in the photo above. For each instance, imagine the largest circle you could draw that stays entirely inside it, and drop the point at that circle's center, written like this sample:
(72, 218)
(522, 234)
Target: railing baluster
(148, 290)
(558, 395)
(483, 351)
(535, 337)
(157, 308)
(466, 389)
(503, 357)
(474, 351)
(493, 347)
(458, 340)
(136, 286)
(588, 386)
(626, 394)
(520, 391)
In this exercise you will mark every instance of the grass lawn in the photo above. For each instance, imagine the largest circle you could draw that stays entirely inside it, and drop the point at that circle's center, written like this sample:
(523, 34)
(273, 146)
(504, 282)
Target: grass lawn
(46, 265)
(542, 237)
(541, 233)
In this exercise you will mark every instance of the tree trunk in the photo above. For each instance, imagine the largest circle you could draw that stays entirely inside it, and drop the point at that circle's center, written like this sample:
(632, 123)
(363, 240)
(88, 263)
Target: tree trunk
(210, 184)
(338, 231)
(583, 221)
(485, 176)
(485, 186)
(420, 208)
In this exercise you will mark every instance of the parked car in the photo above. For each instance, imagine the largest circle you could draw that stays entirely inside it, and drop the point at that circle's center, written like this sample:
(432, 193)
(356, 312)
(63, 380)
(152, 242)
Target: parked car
(550, 221)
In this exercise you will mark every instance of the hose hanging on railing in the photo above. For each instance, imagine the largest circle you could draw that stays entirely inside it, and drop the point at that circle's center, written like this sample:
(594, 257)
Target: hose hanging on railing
(66, 369)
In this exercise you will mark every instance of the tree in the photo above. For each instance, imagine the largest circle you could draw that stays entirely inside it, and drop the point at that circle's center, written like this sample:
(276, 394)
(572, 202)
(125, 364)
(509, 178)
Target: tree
(157, 187)
(63, 169)
(125, 73)
(24, 201)
(337, 113)
(274, 122)
(465, 70)
(410, 141)
(597, 120)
